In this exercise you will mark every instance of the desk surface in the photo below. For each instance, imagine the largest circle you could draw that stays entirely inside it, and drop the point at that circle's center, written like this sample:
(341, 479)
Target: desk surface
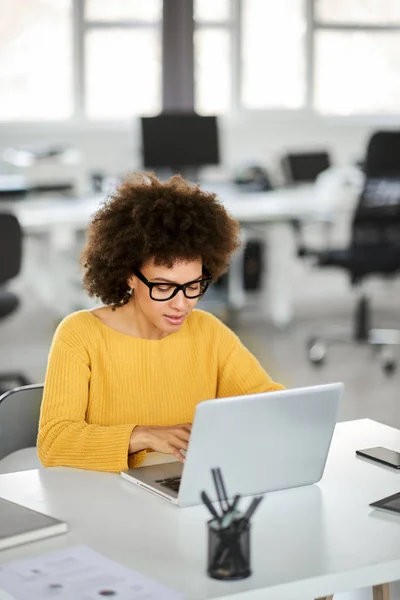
(258, 207)
(306, 542)
(57, 220)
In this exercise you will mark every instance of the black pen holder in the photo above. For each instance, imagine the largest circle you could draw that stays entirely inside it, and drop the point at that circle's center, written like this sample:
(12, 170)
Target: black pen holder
(229, 550)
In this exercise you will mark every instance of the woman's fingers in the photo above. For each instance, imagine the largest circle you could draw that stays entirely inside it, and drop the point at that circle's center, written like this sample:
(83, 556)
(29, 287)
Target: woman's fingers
(182, 434)
(175, 452)
(179, 443)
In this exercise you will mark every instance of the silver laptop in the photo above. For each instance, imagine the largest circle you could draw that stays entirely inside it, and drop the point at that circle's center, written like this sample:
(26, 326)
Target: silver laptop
(261, 442)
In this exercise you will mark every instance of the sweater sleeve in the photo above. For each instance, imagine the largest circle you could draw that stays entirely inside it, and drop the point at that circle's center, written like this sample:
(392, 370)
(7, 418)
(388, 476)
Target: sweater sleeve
(239, 372)
(65, 438)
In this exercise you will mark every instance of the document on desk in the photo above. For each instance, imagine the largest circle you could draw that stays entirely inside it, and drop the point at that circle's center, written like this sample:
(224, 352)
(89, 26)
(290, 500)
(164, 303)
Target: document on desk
(77, 573)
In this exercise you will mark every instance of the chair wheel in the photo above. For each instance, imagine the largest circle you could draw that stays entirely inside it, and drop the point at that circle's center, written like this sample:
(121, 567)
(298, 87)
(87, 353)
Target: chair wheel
(316, 353)
(389, 366)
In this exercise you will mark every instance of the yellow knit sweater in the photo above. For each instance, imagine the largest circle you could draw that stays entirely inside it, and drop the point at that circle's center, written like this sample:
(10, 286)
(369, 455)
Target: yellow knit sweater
(101, 383)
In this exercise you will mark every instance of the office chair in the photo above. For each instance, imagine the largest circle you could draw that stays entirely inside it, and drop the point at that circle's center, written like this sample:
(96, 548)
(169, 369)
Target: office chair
(374, 248)
(19, 418)
(10, 266)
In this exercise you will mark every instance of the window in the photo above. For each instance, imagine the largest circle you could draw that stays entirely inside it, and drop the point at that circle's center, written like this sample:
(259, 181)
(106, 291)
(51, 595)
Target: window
(357, 72)
(357, 60)
(212, 77)
(122, 58)
(102, 59)
(361, 12)
(265, 70)
(213, 56)
(273, 68)
(105, 11)
(122, 73)
(212, 11)
(334, 56)
(36, 60)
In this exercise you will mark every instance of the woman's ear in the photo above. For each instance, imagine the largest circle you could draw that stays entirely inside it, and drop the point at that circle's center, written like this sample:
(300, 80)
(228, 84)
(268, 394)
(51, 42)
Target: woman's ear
(131, 281)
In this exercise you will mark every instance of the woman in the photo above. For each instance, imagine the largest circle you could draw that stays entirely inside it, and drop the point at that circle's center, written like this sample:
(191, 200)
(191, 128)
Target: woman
(125, 378)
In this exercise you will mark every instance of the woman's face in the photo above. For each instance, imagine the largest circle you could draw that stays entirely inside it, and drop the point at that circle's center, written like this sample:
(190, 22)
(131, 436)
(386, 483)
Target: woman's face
(168, 316)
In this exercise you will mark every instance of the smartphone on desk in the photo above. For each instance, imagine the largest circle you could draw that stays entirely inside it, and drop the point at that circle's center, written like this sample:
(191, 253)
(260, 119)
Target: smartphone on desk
(381, 455)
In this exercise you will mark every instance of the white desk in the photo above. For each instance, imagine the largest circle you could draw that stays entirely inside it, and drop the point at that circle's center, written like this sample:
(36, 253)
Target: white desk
(60, 219)
(306, 543)
(39, 215)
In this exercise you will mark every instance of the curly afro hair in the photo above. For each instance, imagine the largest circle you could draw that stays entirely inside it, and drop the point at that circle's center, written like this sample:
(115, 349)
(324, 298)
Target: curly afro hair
(165, 221)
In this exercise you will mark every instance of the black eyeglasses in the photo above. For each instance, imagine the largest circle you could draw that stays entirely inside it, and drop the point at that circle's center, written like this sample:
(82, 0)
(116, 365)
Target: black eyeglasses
(160, 292)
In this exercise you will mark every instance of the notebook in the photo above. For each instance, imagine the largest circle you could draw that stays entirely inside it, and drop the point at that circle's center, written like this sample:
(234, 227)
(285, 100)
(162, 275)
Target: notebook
(20, 525)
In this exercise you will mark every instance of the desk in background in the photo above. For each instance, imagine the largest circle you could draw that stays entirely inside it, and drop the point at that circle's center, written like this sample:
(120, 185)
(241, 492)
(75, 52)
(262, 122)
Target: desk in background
(270, 213)
(306, 542)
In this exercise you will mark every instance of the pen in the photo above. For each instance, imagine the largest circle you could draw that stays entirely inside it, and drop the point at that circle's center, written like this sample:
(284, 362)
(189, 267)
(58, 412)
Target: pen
(230, 515)
(220, 489)
(235, 502)
(249, 512)
(222, 486)
(206, 500)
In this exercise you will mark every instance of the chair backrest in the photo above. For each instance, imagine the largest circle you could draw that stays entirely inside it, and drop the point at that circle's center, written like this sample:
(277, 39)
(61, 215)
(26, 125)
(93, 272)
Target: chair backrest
(383, 155)
(19, 418)
(376, 221)
(10, 247)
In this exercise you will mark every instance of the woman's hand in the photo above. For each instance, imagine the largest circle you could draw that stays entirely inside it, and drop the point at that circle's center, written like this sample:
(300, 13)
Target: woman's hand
(168, 440)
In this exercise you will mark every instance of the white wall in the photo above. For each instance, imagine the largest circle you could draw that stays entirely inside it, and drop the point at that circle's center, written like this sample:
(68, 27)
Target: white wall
(267, 137)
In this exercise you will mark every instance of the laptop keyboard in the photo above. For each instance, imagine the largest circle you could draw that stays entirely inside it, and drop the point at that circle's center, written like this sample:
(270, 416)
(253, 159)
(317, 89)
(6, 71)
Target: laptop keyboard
(172, 483)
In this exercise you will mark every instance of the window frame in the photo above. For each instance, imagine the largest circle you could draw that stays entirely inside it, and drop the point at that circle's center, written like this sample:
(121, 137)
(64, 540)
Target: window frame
(313, 27)
(81, 28)
(79, 121)
(309, 111)
(232, 25)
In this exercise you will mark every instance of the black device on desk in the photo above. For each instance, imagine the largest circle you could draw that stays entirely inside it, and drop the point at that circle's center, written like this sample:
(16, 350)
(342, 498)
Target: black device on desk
(253, 178)
(381, 455)
(390, 503)
(304, 167)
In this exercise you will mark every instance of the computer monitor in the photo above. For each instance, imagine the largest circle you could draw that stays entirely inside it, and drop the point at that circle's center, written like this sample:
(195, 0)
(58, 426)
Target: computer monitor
(179, 141)
(305, 166)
